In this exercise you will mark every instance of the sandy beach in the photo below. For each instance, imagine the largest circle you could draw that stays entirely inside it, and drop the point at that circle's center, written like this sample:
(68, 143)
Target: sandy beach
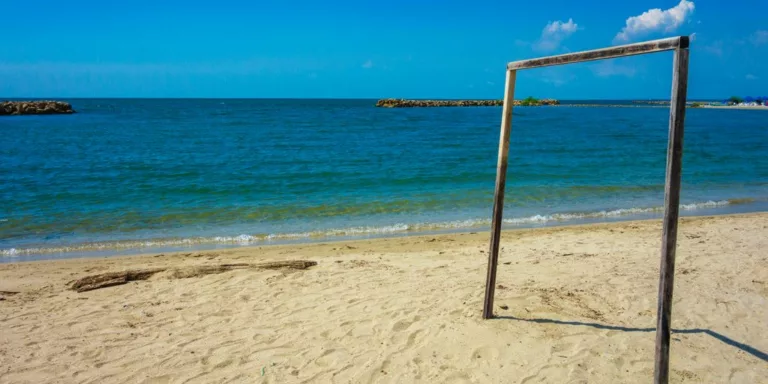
(574, 304)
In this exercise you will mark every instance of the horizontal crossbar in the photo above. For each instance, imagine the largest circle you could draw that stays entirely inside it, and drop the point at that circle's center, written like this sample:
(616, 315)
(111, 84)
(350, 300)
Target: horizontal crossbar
(603, 53)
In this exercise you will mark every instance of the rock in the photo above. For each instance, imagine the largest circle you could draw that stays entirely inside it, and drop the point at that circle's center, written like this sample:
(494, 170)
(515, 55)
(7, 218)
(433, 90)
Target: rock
(40, 107)
(651, 102)
(405, 103)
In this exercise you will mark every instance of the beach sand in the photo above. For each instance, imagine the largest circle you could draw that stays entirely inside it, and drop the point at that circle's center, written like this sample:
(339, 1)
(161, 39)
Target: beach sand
(575, 305)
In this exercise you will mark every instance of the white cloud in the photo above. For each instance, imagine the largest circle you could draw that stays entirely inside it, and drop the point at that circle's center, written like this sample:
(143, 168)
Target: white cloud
(610, 68)
(556, 76)
(368, 64)
(557, 81)
(759, 37)
(751, 77)
(490, 83)
(693, 36)
(554, 34)
(654, 20)
(716, 48)
(559, 26)
(522, 43)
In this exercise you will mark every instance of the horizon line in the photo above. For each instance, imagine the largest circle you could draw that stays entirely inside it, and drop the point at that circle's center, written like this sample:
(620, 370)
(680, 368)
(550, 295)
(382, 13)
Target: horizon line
(330, 98)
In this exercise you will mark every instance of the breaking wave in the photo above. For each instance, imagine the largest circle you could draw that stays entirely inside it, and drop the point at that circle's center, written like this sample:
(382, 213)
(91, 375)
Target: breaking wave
(372, 231)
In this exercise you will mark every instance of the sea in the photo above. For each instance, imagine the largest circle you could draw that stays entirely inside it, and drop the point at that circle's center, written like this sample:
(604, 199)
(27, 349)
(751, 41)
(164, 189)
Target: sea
(128, 176)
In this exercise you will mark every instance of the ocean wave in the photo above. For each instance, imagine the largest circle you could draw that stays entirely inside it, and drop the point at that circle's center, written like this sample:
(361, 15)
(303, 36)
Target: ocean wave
(361, 231)
(618, 212)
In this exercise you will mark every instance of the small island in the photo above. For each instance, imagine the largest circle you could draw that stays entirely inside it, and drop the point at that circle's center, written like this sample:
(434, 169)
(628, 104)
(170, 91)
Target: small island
(37, 107)
(406, 103)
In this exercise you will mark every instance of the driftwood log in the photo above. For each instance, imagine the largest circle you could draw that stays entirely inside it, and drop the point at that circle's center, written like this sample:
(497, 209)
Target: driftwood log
(7, 293)
(110, 279)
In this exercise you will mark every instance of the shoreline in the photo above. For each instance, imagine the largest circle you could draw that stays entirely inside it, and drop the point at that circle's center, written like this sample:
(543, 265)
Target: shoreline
(239, 239)
(544, 103)
(573, 303)
(169, 251)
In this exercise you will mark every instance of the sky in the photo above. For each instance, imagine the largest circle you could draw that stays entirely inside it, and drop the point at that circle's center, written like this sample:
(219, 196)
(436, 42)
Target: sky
(365, 49)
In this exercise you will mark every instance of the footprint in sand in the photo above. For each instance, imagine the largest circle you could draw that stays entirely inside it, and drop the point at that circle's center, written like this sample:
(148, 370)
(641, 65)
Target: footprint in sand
(402, 325)
(330, 358)
(485, 353)
(458, 378)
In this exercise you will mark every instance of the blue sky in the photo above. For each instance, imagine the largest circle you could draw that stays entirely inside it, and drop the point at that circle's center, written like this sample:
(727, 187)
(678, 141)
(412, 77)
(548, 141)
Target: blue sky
(365, 49)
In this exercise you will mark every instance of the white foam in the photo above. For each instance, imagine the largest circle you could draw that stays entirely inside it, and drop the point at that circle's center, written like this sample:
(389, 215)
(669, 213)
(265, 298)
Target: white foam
(245, 239)
(708, 204)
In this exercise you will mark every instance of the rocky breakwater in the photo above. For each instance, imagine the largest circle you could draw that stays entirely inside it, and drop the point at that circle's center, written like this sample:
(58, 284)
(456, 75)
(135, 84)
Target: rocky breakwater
(530, 102)
(651, 102)
(405, 103)
(42, 107)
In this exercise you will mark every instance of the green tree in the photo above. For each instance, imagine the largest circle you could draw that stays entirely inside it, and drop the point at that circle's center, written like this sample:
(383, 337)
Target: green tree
(735, 100)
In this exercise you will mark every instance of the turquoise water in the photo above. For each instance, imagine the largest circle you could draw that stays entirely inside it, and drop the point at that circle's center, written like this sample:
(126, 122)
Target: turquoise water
(127, 175)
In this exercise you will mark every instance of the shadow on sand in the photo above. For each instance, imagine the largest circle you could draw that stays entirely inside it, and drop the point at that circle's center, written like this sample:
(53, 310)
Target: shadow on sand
(725, 339)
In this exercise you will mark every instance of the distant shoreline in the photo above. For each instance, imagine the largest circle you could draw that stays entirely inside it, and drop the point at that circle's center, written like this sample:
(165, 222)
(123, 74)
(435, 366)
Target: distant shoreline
(757, 108)
(418, 103)
(413, 103)
(752, 108)
(533, 102)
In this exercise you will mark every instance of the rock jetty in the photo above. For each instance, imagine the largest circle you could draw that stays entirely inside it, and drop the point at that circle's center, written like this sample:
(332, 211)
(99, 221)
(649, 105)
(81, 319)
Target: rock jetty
(651, 102)
(405, 103)
(535, 102)
(42, 107)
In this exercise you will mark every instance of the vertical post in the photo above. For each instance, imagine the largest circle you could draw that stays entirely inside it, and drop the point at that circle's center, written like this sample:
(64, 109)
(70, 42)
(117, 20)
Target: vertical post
(671, 212)
(498, 200)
